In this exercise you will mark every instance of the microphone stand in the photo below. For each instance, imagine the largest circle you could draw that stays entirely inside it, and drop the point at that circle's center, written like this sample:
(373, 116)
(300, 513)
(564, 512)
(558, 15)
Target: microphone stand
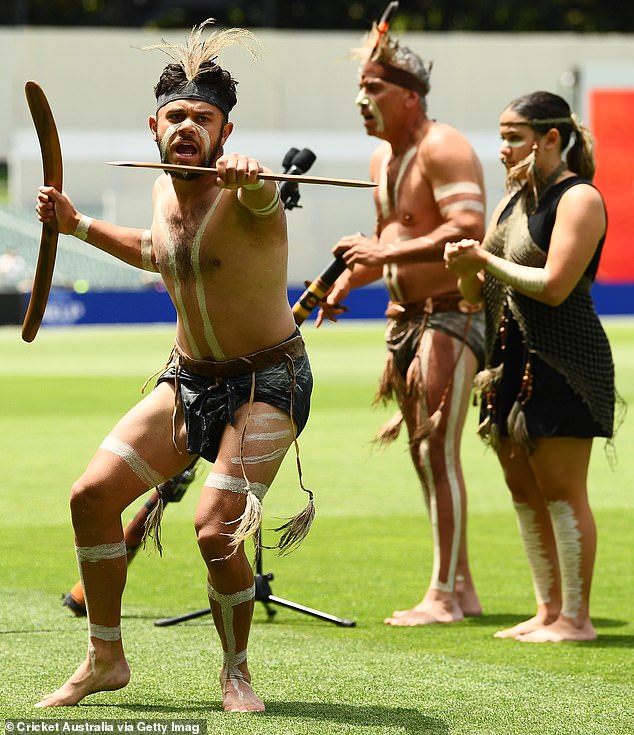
(264, 595)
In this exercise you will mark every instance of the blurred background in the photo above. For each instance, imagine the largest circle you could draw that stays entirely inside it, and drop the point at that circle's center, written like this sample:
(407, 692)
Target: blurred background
(86, 55)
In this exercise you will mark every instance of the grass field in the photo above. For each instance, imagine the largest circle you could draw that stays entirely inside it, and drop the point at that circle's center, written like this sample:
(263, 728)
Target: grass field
(368, 553)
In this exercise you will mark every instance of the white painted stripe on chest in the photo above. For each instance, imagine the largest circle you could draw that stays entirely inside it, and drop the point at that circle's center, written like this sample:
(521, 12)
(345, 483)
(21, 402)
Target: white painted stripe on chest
(210, 335)
(384, 194)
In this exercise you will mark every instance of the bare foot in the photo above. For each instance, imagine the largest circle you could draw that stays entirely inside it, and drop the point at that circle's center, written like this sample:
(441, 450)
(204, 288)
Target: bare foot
(468, 599)
(432, 612)
(563, 629)
(525, 627)
(421, 607)
(106, 677)
(237, 694)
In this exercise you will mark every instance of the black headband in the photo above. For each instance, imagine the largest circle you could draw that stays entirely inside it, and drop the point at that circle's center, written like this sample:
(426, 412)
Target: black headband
(195, 91)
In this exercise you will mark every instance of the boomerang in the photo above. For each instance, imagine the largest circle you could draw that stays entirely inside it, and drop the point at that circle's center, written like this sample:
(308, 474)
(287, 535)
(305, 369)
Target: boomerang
(52, 170)
(298, 178)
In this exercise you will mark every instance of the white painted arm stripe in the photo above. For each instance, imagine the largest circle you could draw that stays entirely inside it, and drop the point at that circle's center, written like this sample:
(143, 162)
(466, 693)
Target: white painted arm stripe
(146, 251)
(463, 204)
(526, 277)
(266, 211)
(457, 187)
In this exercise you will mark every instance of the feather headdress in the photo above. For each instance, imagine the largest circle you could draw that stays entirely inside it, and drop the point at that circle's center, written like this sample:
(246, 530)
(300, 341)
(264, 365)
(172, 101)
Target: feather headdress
(378, 48)
(197, 51)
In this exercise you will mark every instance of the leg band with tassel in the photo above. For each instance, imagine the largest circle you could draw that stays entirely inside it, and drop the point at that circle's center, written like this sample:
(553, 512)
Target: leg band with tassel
(250, 520)
(149, 476)
(232, 659)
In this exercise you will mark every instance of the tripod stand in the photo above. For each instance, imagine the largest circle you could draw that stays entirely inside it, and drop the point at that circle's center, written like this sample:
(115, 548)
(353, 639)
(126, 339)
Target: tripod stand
(263, 595)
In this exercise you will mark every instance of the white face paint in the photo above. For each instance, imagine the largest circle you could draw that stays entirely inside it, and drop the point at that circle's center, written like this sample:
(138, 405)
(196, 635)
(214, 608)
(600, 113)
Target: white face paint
(513, 143)
(169, 134)
(363, 101)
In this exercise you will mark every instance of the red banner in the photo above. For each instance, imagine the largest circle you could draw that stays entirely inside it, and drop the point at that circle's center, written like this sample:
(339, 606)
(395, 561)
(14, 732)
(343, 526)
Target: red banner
(612, 124)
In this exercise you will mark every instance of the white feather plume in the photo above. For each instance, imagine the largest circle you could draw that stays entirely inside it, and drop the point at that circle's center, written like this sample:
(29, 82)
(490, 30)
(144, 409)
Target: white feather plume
(196, 51)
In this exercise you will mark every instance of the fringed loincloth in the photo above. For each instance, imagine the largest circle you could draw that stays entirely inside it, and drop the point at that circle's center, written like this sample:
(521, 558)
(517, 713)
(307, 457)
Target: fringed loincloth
(209, 392)
(401, 377)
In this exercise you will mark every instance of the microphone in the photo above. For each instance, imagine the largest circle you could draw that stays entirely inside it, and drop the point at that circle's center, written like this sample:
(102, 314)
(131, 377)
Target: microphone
(302, 161)
(295, 162)
(288, 158)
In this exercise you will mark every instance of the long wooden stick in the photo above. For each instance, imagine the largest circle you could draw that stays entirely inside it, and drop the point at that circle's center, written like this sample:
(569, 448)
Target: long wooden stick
(300, 179)
(52, 169)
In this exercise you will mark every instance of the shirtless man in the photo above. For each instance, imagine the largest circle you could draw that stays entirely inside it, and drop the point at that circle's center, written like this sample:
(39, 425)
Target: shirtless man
(430, 186)
(238, 372)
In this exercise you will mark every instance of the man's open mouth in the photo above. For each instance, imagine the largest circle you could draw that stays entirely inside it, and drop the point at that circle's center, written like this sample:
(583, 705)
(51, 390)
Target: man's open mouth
(185, 150)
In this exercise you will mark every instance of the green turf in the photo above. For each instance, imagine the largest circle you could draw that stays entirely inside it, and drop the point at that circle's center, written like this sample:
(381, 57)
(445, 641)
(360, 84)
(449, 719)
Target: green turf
(368, 553)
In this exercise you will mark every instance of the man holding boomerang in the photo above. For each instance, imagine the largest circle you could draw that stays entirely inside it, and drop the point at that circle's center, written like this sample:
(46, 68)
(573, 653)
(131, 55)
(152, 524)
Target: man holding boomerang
(430, 188)
(237, 387)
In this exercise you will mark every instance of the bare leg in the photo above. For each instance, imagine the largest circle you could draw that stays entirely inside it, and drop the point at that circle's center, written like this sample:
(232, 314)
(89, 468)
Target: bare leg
(231, 594)
(537, 535)
(103, 577)
(230, 580)
(561, 467)
(115, 477)
(437, 462)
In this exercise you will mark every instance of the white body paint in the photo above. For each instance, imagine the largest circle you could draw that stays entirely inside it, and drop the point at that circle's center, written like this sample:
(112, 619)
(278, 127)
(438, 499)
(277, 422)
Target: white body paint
(133, 459)
(91, 555)
(541, 569)
(363, 100)
(232, 658)
(235, 485)
(568, 538)
(454, 404)
(210, 335)
(390, 270)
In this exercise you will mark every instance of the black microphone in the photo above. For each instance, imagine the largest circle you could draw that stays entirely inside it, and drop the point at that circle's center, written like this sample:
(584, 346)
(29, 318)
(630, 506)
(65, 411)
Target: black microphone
(300, 163)
(288, 158)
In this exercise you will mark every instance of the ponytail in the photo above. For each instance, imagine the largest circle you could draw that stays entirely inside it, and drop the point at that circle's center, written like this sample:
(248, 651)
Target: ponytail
(580, 157)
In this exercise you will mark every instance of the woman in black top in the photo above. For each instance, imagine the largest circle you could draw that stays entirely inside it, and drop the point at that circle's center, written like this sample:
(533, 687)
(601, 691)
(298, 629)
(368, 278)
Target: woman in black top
(548, 386)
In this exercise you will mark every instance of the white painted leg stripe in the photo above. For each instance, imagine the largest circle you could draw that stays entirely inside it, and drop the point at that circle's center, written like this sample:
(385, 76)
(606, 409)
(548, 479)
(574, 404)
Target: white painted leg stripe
(435, 583)
(236, 598)
(133, 459)
(105, 633)
(232, 658)
(268, 436)
(269, 457)
(453, 416)
(568, 539)
(101, 552)
(236, 485)
(540, 566)
(262, 418)
(226, 482)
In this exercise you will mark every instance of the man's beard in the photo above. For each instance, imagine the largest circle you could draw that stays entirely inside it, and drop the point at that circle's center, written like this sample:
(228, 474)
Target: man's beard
(207, 161)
